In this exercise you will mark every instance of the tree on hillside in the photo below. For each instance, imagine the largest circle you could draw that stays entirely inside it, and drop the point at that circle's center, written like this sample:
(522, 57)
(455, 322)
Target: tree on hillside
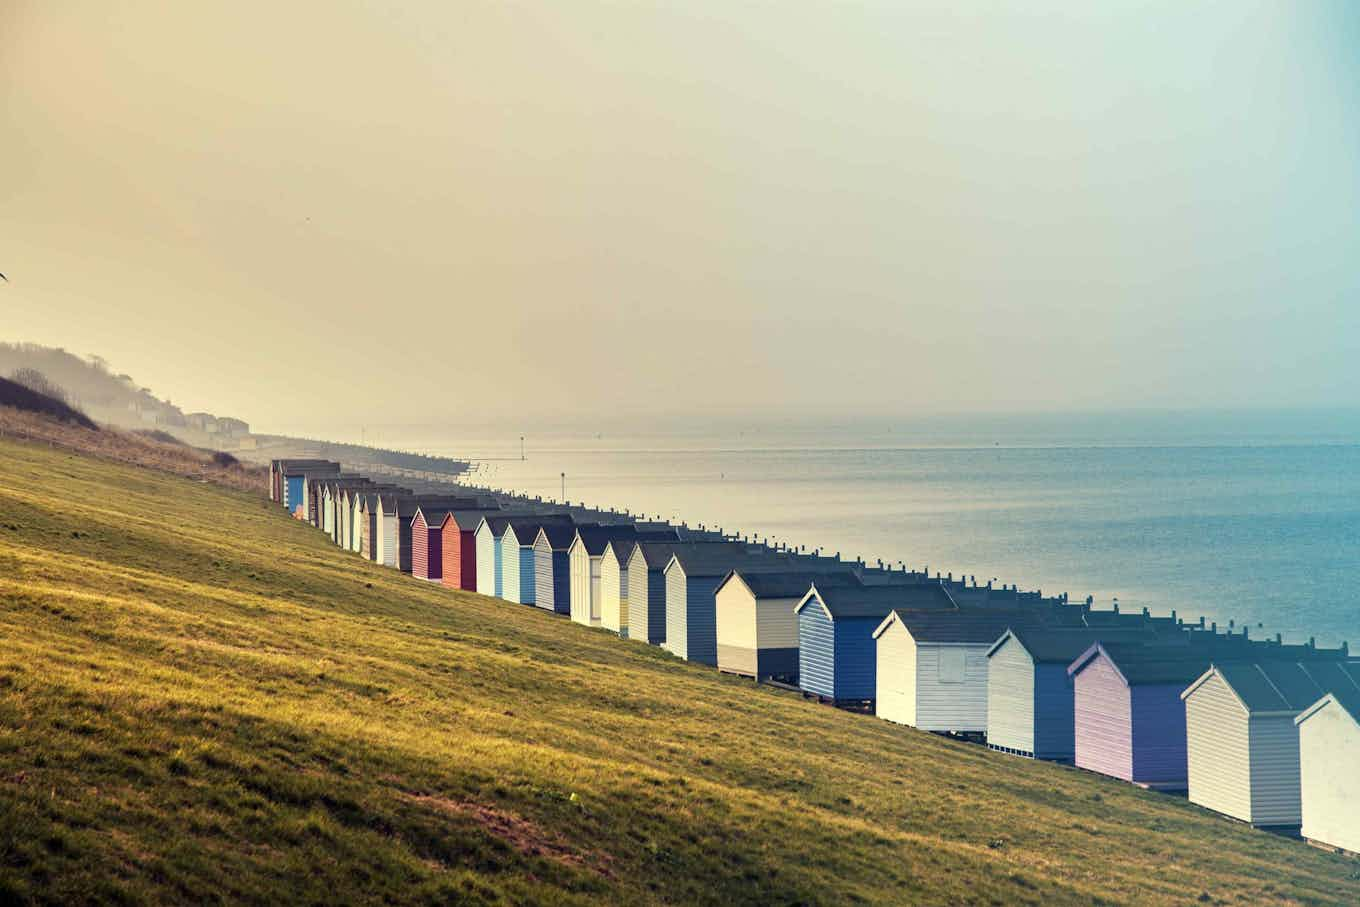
(37, 382)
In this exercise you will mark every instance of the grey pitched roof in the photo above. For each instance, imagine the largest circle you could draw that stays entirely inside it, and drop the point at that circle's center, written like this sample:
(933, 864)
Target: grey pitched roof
(1271, 686)
(559, 535)
(791, 584)
(1062, 645)
(526, 527)
(978, 627)
(595, 538)
(718, 559)
(1151, 664)
(407, 505)
(845, 601)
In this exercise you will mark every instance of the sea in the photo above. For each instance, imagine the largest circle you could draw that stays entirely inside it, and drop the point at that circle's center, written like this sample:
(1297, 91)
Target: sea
(1245, 518)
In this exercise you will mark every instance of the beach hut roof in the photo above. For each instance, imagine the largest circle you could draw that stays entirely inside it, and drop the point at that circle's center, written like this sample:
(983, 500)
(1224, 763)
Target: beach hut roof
(407, 505)
(847, 600)
(1345, 697)
(1063, 644)
(1269, 686)
(719, 559)
(467, 518)
(947, 626)
(1142, 664)
(559, 535)
(622, 548)
(787, 584)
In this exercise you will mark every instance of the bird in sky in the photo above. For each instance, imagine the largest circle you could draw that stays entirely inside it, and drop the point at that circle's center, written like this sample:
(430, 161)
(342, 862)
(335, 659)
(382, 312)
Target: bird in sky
(4, 278)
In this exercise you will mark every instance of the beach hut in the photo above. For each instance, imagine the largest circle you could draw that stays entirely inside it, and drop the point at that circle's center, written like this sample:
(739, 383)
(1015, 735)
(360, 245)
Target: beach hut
(1242, 743)
(459, 548)
(837, 657)
(757, 629)
(385, 543)
(552, 570)
(647, 591)
(614, 585)
(367, 517)
(1129, 720)
(1029, 692)
(518, 567)
(932, 666)
(406, 508)
(489, 533)
(291, 480)
(585, 560)
(1329, 761)
(692, 577)
(427, 542)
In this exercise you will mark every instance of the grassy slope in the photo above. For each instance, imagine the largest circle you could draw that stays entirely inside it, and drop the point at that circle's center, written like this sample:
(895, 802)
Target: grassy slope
(184, 717)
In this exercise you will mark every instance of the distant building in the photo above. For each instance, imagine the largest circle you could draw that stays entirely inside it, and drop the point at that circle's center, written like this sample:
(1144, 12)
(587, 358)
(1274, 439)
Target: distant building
(232, 427)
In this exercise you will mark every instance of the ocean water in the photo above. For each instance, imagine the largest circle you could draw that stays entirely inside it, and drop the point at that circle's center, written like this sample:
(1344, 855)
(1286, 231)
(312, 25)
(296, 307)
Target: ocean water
(1252, 522)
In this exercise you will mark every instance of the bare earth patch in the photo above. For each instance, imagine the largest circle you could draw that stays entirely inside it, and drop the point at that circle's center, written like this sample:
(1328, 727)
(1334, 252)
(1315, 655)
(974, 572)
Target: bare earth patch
(521, 834)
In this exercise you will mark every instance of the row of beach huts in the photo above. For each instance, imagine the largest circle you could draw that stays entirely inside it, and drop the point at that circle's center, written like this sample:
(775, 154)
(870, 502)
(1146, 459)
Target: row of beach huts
(1262, 731)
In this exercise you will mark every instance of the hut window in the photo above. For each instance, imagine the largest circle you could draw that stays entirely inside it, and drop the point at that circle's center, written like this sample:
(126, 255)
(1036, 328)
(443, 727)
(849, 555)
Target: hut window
(951, 666)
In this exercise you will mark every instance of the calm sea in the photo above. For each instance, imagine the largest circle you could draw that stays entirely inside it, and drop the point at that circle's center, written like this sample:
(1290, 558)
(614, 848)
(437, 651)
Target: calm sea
(1253, 519)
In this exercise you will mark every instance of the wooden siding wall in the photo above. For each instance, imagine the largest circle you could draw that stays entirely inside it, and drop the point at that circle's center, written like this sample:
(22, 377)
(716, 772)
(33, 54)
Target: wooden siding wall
(816, 651)
(1159, 735)
(544, 596)
(1054, 733)
(389, 540)
(895, 696)
(1275, 796)
(420, 547)
(677, 612)
(699, 619)
(497, 563)
(613, 594)
(1329, 750)
(486, 561)
(856, 666)
(579, 565)
(1217, 738)
(510, 574)
(646, 603)
(948, 705)
(1104, 730)
(736, 621)
(528, 572)
(451, 571)
(1010, 699)
(404, 544)
(595, 580)
(292, 493)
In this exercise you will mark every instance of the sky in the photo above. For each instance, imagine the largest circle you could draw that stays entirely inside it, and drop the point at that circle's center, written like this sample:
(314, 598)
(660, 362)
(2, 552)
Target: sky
(317, 213)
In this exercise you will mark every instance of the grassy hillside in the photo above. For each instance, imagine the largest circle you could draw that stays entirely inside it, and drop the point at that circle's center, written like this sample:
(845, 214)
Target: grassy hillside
(203, 700)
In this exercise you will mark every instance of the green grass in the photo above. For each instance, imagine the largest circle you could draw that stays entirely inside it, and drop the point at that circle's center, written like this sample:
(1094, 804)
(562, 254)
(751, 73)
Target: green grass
(202, 700)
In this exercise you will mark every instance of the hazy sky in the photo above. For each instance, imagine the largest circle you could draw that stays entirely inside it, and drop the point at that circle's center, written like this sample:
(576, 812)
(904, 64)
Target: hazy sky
(303, 212)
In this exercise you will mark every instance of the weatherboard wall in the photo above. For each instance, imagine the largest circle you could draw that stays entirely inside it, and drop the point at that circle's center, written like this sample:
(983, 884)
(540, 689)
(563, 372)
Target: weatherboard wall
(1011, 698)
(895, 677)
(951, 687)
(1329, 760)
(1275, 787)
(292, 493)
(578, 561)
(1103, 712)
(510, 575)
(1159, 735)
(1218, 749)
(613, 593)
(1054, 723)
(459, 548)
(486, 560)
(646, 601)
